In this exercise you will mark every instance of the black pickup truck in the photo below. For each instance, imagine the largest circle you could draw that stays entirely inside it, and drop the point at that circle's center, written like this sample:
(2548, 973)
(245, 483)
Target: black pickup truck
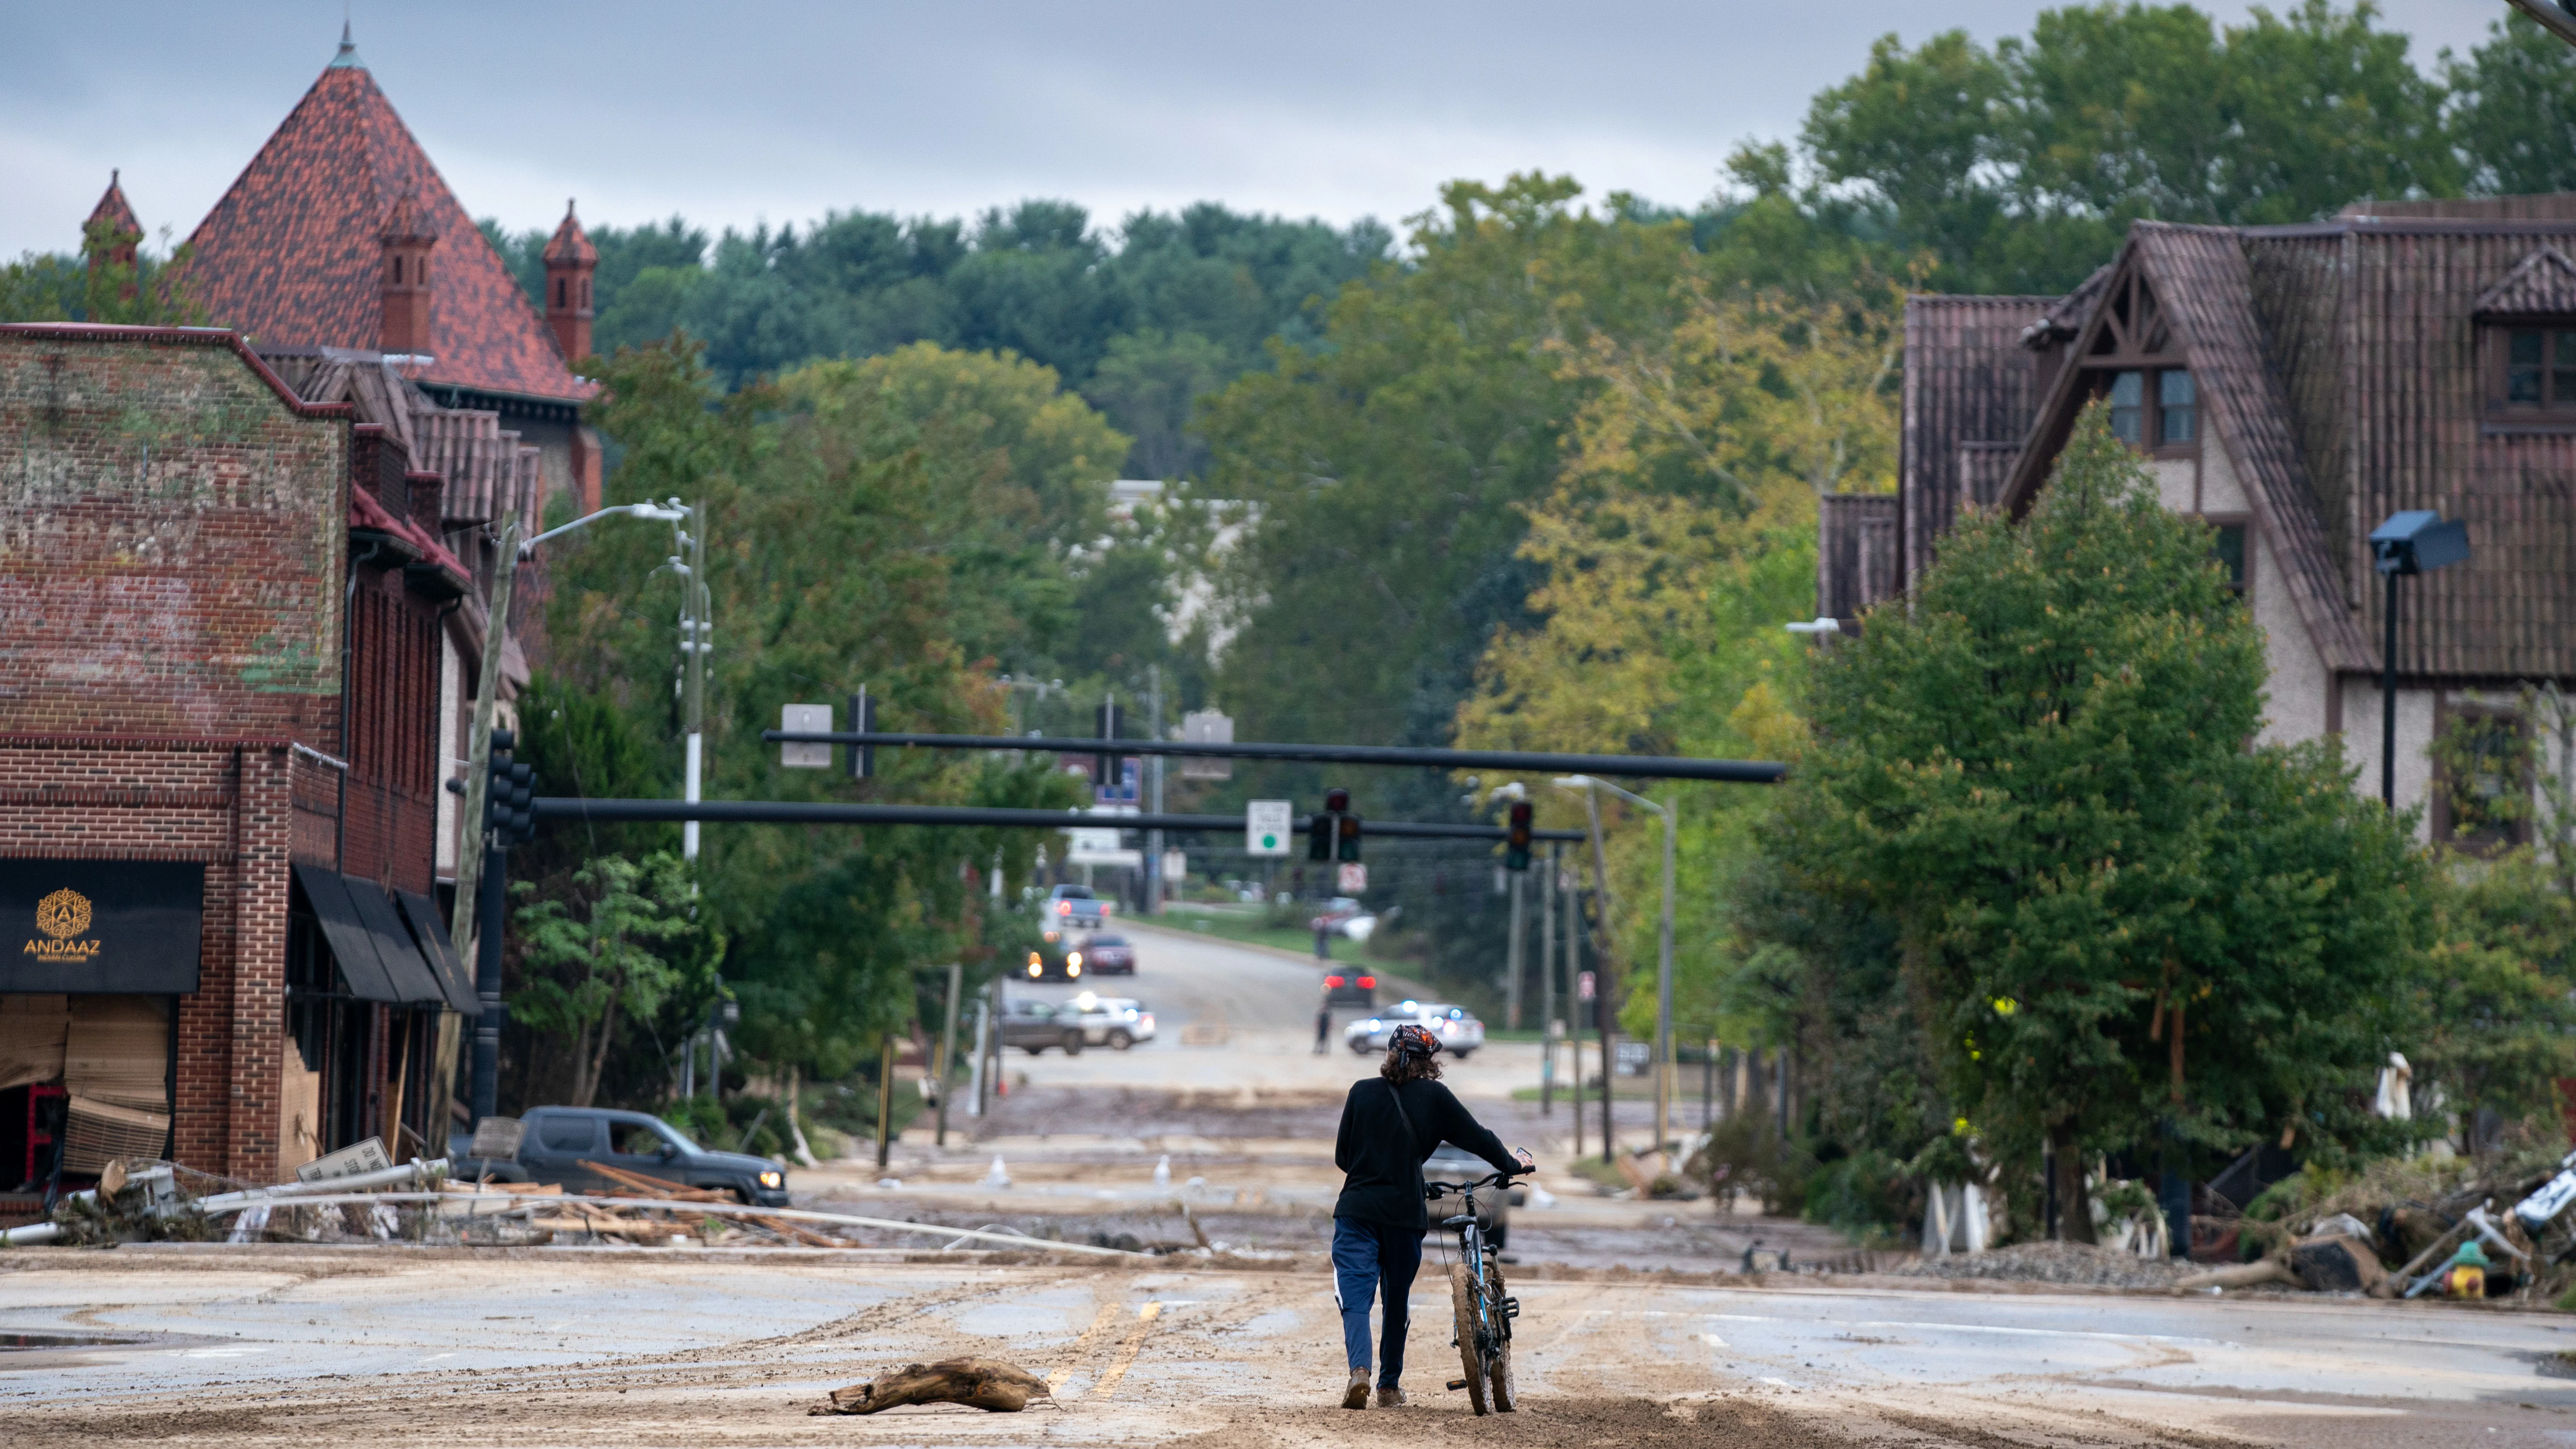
(567, 1145)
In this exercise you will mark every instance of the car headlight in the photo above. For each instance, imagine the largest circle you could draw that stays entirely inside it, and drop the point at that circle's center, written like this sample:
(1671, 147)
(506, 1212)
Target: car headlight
(1072, 968)
(773, 1178)
(1034, 968)
(1073, 958)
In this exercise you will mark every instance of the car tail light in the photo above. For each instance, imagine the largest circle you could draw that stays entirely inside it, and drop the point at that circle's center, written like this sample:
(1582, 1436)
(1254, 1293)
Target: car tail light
(1064, 908)
(1368, 983)
(1333, 982)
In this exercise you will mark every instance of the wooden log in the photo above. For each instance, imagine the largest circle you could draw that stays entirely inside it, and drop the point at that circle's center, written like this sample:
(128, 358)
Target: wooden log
(2241, 1275)
(984, 1383)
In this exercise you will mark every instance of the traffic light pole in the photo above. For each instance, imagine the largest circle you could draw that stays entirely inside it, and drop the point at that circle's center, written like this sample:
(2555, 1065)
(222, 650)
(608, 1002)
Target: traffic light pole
(1647, 767)
(491, 899)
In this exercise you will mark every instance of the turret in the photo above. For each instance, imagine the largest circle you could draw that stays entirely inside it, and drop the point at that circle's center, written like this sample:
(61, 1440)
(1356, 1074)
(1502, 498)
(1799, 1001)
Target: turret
(406, 239)
(570, 259)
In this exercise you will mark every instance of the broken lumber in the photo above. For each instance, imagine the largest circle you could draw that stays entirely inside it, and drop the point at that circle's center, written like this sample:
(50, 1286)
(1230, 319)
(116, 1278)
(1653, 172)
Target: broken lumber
(983, 1383)
(2240, 1275)
(656, 1187)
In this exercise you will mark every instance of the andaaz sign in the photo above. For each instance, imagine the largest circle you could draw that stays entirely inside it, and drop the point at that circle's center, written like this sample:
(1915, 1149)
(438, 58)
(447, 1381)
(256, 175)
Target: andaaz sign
(121, 926)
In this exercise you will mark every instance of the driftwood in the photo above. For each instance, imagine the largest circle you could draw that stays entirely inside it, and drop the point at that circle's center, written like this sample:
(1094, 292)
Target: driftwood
(984, 1383)
(2241, 1275)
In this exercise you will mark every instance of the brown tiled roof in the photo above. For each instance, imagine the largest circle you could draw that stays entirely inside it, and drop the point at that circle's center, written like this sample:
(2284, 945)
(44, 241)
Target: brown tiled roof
(291, 254)
(2542, 283)
(2339, 367)
(2542, 206)
(1967, 379)
(570, 243)
(112, 207)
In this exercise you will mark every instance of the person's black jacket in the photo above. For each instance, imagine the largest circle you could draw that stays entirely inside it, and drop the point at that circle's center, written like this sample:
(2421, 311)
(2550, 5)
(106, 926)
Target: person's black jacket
(1382, 1164)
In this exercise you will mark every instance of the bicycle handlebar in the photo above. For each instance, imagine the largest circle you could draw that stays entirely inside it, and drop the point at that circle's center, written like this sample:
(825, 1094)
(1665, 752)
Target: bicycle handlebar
(1491, 1179)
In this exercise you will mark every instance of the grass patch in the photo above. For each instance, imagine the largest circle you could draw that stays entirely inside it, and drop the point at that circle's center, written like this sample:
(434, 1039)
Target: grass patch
(1640, 1091)
(1256, 930)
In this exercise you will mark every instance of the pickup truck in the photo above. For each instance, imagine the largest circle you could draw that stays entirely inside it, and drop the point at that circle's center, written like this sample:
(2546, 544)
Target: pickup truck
(1075, 907)
(1033, 1026)
(556, 1142)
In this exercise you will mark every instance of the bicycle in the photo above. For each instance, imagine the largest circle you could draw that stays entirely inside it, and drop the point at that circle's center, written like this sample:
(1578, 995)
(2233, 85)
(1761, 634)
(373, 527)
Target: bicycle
(1484, 1312)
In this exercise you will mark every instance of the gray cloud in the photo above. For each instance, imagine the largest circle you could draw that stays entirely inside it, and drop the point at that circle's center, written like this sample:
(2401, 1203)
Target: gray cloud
(731, 115)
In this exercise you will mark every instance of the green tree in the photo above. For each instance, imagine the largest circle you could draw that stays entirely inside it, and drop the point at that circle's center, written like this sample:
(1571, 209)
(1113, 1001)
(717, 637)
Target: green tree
(2513, 109)
(100, 285)
(2117, 912)
(614, 943)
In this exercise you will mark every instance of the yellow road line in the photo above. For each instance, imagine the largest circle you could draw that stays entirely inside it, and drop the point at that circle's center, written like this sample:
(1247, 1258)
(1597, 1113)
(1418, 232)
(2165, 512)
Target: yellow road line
(1146, 1313)
(1073, 1355)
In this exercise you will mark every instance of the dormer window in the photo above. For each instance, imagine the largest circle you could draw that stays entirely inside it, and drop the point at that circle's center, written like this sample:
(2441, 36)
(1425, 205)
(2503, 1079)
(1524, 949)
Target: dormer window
(2155, 410)
(2539, 368)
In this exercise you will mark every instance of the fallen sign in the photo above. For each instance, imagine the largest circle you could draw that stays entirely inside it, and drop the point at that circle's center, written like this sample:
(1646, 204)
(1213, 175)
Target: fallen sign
(983, 1383)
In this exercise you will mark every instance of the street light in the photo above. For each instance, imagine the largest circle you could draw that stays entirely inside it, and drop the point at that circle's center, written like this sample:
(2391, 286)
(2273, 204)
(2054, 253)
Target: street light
(2413, 542)
(1663, 958)
(695, 604)
(2552, 16)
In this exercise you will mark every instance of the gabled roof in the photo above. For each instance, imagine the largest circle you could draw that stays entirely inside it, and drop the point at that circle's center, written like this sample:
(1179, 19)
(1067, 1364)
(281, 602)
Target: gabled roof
(2206, 293)
(2542, 284)
(292, 253)
(112, 208)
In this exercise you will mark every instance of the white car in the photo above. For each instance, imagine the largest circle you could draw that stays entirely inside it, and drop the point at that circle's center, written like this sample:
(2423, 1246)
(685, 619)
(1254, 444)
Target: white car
(1116, 1022)
(1460, 1033)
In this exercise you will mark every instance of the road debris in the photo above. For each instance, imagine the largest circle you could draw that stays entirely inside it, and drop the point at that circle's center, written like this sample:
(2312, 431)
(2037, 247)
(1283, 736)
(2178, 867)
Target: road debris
(984, 1383)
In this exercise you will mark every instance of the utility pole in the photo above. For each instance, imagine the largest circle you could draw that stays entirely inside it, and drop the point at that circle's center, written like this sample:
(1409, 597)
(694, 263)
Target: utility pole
(885, 1099)
(1154, 838)
(1601, 992)
(696, 642)
(463, 925)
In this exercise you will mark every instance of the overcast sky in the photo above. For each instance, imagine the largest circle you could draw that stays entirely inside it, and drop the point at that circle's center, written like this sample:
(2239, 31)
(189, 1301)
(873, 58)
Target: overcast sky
(732, 114)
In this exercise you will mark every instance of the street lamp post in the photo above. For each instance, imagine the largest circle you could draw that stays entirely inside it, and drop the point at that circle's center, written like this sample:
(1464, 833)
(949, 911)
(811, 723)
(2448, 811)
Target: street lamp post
(1663, 957)
(2413, 542)
(689, 562)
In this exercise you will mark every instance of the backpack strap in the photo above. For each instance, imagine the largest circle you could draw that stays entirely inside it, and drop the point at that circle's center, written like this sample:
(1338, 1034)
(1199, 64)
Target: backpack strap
(1410, 1135)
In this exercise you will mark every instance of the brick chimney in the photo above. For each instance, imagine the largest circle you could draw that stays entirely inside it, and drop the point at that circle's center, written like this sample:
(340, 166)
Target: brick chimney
(406, 239)
(570, 259)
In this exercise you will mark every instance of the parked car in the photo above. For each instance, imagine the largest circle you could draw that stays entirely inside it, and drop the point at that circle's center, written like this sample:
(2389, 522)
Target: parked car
(1116, 1022)
(1076, 907)
(559, 1145)
(1107, 955)
(1460, 1033)
(1033, 1026)
(1452, 1163)
(1350, 988)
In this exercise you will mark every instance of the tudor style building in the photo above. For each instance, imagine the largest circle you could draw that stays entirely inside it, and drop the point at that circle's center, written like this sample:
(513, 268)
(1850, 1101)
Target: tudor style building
(242, 572)
(2294, 385)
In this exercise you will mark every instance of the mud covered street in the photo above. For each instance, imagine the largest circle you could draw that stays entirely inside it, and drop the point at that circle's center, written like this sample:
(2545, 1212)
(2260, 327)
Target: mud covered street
(260, 1346)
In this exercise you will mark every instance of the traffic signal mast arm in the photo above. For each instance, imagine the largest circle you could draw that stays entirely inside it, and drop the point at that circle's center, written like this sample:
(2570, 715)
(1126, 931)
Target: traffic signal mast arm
(1649, 767)
(797, 812)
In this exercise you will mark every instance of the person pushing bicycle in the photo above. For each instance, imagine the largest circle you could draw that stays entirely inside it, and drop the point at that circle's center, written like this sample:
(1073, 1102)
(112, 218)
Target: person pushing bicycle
(1391, 1124)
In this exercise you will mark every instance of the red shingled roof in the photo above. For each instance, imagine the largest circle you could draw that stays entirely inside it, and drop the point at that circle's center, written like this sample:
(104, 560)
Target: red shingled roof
(112, 207)
(291, 254)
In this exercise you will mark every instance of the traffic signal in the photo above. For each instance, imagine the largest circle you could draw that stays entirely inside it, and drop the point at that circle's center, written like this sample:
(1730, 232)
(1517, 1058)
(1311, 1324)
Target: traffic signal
(1333, 833)
(1319, 835)
(863, 719)
(509, 794)
(1517, 837)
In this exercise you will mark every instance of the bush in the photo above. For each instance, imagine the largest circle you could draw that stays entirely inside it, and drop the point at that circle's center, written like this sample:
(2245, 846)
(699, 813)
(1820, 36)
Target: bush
(1745, 1154)
(1869, 1194)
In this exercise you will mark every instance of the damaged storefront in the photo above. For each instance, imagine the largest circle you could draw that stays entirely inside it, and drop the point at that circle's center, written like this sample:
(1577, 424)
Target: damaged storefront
(99, 956)
(367, 973)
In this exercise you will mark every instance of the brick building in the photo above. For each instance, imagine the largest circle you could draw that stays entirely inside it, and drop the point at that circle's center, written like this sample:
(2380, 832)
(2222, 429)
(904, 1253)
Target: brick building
(241, 621)
(2293, 385)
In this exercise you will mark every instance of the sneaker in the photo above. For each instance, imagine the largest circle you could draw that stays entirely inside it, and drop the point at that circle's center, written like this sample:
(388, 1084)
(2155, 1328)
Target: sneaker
(1356, 1395)
(1390, 1397)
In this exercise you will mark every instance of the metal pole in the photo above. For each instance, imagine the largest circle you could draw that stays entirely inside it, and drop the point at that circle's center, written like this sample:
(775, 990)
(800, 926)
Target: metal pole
(1574, 1010)
(1154, 764)
(2388, 703)
(885, 1099)
(492, 896)
(975, 1078)
(1512, 957)
(1601, 988)
(695, 606)
(1664, 1065)
(948, 1049)
(1547, 893)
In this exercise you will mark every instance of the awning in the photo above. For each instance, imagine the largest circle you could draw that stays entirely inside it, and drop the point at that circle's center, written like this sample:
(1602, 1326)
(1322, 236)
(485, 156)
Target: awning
(377, 957)
(101, 926)
(454, 976)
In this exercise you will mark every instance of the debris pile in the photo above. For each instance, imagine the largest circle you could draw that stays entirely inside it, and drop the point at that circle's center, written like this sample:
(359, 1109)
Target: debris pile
(2078, 1264)
(984, 1383)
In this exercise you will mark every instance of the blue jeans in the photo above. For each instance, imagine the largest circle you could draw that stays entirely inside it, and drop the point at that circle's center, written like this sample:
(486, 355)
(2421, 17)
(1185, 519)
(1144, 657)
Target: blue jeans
(1372, 1260)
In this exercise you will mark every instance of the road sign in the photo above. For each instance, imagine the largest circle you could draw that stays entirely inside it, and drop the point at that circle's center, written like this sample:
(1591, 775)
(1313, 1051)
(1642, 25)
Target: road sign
(805, 719)
(1583, 986)
(1265, 827)
(1176, 867)
(1206, 727)
(1353, 877)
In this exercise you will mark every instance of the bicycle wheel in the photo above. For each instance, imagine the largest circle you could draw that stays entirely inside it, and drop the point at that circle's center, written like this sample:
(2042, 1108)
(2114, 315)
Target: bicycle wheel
(1462, 1301)
(1499, 1367)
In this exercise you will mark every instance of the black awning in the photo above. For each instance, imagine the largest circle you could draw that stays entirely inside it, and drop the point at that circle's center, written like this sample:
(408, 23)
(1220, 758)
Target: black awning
(110, 926)
(430, 933)
(413, 978)
(353, 946)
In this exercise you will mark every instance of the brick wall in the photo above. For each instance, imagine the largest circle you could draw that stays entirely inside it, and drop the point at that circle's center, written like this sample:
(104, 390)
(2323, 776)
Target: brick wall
(172, 540)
